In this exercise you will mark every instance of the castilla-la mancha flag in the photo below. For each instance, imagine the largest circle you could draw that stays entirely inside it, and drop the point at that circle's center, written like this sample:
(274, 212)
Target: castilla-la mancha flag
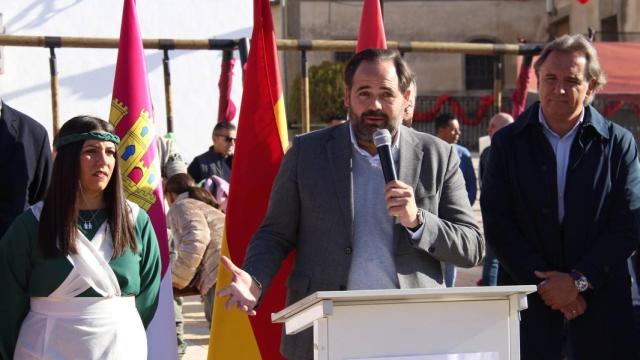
(132, 116)
(261, 142)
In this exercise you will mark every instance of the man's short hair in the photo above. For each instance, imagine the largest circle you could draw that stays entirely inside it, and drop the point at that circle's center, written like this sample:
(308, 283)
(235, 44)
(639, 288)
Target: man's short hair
(405, 75)
(576, 43)
(443, 120)
(223, 125)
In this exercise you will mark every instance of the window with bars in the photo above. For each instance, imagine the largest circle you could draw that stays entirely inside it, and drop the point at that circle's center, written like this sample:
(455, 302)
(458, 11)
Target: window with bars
(479, 70)
(609, 29)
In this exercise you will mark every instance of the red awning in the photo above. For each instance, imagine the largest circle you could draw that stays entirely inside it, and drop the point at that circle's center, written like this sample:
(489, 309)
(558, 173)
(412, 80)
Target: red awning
(620, 63)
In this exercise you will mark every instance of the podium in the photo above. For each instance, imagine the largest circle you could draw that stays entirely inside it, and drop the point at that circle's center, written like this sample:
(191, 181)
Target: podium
(412, 324)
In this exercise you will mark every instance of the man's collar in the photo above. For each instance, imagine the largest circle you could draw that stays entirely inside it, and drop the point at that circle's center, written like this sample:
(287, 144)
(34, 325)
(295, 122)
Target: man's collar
(592, 118)
(543, 121)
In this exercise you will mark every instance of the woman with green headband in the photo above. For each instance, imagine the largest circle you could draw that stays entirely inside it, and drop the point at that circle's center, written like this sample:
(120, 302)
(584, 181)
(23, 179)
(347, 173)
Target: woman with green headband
(80, 271)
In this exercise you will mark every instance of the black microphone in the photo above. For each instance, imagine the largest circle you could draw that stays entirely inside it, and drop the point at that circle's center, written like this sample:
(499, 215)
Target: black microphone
(382, 139)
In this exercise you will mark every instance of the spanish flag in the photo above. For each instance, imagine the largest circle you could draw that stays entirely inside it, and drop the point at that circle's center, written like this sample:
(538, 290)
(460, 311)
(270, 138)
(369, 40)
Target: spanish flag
(261, 143)
(132, 116)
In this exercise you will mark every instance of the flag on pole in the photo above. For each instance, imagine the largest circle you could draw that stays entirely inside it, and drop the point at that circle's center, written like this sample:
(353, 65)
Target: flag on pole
(371, 35)
(132, 116)
(519, 96)
(226, 107)
(262, 140)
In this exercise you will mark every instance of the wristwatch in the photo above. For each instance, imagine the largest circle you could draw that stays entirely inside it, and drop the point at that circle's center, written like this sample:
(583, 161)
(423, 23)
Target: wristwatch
(579, 280)
(420, 216)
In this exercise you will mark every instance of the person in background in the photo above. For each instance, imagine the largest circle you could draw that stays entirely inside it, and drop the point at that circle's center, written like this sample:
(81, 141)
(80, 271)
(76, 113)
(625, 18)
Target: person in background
(561, 209)
(407, 118)
(448, 129)
(197, 227)
(218, 159)
(335, 119)
(25, 162)
(82, 265)
(171, 163)
(490, 262)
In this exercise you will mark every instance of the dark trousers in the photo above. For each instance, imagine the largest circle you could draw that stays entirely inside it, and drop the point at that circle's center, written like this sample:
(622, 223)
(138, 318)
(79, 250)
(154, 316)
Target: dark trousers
(604, 331)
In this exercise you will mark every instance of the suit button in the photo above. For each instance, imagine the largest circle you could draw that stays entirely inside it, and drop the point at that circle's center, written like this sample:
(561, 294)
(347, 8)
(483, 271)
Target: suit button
(342, 287)
(348, 250)
(543, 168)
(545, 211)
(431, 249)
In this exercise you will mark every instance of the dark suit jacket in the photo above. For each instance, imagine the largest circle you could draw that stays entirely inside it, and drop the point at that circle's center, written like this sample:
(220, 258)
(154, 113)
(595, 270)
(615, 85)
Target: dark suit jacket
(599, 231)
(311, 211)
(25, 164)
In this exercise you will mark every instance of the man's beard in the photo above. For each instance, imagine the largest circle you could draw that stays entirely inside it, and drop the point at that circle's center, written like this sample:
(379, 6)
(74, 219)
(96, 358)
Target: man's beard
(364, 132)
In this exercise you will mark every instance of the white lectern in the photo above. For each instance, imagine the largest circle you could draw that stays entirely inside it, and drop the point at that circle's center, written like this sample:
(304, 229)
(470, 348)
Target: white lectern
(426, 324)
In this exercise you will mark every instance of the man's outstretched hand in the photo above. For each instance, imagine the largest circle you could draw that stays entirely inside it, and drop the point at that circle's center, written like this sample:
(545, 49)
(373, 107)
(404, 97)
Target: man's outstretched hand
(243, 291)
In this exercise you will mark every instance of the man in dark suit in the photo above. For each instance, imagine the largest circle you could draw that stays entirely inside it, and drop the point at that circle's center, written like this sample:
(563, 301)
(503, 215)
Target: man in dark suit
(351, 231)
(218, 159)
(25, 163)
(560, 203)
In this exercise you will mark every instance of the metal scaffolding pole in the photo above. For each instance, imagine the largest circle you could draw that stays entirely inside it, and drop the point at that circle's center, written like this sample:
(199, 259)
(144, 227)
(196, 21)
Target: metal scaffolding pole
(167, 90)
(283, 44)
(304, 89)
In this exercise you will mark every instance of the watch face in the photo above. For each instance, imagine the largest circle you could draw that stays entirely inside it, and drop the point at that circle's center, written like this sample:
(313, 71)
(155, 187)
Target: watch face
(582, 284)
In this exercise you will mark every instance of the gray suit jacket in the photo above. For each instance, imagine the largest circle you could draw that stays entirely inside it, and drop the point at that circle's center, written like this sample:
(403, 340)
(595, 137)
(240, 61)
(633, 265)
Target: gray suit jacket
(311, 211)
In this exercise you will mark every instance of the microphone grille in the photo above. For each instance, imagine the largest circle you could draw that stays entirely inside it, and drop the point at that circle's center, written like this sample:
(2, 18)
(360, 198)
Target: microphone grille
(382, 137)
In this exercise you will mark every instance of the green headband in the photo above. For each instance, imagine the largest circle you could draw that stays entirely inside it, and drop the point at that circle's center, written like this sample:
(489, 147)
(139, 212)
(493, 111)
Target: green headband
(104, 136)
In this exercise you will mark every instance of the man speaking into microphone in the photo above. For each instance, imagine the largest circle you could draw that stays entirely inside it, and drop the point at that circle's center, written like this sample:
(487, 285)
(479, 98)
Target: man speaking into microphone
(350, 229)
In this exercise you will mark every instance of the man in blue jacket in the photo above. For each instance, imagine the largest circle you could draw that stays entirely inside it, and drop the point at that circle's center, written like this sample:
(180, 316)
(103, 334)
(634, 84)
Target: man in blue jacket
(448, 129)
(560, 203)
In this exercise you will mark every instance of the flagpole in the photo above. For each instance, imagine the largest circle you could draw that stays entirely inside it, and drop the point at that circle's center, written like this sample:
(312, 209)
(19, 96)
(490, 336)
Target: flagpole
(52, 42)
(304, 89)
(497, 83)
(243, 49)
(167, 90)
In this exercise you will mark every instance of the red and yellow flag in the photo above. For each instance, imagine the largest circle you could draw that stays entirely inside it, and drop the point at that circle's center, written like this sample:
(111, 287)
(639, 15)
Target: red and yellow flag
(132, 116)
(262, 140)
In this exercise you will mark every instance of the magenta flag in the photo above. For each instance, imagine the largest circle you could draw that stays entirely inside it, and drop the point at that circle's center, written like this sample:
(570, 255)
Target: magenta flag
(132, 116)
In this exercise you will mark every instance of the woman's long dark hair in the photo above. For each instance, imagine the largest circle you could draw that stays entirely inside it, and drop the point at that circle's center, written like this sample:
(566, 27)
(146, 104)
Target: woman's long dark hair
(181, 183)
(57, 229)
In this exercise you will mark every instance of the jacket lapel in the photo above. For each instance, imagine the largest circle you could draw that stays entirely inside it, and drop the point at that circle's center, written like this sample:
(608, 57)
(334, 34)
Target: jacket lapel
(410, 162)
(339, 152)
(409, 167)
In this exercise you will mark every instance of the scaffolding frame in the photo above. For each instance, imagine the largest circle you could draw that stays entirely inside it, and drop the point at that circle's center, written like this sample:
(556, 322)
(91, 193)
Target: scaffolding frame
(242, 45)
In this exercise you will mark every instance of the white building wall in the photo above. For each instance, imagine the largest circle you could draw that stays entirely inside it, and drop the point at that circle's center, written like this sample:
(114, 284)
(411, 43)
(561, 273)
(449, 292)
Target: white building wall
(86, 75)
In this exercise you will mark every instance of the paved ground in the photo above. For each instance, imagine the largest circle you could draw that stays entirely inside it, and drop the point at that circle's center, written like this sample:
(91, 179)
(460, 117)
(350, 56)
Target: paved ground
(196, 329)
(197, 333)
